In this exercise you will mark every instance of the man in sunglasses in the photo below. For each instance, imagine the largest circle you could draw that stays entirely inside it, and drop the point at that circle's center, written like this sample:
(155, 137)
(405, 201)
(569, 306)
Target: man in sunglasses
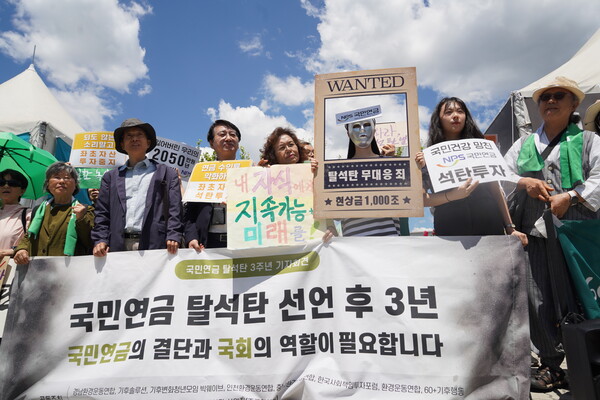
(559, 169)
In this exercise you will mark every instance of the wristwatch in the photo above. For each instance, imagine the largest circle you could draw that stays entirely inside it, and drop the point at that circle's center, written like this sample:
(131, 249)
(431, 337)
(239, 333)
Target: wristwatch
(574, 198)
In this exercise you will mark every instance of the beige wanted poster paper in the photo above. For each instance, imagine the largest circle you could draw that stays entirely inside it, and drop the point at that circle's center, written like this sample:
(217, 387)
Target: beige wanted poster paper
(374, 186)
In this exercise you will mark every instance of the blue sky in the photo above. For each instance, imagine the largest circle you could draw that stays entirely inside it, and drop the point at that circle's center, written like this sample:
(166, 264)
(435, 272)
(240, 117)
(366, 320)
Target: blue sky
(180, 64)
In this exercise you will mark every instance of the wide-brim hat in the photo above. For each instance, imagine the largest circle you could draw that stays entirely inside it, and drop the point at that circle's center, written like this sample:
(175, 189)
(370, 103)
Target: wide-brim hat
(560, 82)
(134, 123)
(590, 116)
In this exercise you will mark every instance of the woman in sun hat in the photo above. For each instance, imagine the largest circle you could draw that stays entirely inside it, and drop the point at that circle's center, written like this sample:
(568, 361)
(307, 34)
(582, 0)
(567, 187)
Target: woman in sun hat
(559, 169)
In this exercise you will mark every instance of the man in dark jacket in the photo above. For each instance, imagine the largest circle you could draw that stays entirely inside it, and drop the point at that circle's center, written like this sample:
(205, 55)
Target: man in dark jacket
(139, 206)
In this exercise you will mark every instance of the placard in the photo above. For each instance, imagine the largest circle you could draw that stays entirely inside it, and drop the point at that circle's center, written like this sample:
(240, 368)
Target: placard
(392, 133)
(271, 206)
(95, 150)
(208, 179)
(91, 177)
(373, 186)
(175, 154)
(92, 154)
(452, 162)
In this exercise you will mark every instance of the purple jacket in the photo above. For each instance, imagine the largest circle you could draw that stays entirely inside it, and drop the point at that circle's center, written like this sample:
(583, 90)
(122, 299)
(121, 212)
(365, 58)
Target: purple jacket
(111, 206)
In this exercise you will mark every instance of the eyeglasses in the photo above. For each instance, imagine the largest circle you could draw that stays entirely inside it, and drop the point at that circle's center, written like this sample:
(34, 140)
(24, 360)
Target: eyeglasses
(225, 133)
(10, 182)
(558, 96)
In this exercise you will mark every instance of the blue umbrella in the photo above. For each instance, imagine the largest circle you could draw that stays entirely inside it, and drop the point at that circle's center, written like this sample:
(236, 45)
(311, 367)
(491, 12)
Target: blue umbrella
(31, 161)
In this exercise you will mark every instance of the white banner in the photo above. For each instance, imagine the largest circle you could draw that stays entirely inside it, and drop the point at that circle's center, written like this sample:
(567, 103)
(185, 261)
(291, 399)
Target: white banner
(367, 318)
(7, 273)
(452, 162)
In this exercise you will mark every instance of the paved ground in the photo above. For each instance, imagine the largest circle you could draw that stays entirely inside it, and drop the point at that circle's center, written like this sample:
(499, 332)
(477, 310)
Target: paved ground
(547, 396)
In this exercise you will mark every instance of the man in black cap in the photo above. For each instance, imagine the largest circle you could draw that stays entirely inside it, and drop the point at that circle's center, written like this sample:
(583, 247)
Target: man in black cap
(139, 206)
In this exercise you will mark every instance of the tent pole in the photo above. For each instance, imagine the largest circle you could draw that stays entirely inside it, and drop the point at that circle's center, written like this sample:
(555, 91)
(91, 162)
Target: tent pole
(512, 118)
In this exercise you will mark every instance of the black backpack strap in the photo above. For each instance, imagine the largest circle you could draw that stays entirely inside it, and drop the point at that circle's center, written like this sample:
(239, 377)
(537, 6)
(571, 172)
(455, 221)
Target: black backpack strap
(551, 145)
(24, 219)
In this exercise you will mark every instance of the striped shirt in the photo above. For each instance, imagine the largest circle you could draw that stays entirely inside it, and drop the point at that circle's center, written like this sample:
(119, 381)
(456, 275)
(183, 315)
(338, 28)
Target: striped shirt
(371, 227)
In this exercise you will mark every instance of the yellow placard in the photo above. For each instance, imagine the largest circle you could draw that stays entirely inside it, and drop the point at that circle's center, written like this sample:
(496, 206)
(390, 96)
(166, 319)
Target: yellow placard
(207, 182)
(95, 150)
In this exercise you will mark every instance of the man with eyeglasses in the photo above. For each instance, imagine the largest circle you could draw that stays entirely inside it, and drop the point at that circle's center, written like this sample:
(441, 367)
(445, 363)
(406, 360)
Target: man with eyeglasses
(139, 205)
(206, 223)
(559, 169)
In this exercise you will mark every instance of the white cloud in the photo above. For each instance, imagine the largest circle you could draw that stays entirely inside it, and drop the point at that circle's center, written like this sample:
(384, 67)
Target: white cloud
(83, 47)
(254, 124)
(478, 50)
(86, 106)
(252, 46)
(424, 118)
(310, 8)
(288, 91)
(144, 90)
(89, 41)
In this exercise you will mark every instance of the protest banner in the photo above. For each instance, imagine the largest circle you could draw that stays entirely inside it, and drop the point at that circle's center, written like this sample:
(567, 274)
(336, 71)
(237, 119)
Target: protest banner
(451, 163)
(3, 269)
(374, 186)
(7, 273)
(271, 206)
(393, 320)
(207, 182)
(175, 154)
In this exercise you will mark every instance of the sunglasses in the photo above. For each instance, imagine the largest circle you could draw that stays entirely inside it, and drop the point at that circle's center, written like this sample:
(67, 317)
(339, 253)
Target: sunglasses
(556, 96)
(10, 182)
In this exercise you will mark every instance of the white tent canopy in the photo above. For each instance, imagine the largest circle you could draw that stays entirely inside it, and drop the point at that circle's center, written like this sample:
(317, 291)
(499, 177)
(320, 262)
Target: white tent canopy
(519, 116)
(28, 106)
